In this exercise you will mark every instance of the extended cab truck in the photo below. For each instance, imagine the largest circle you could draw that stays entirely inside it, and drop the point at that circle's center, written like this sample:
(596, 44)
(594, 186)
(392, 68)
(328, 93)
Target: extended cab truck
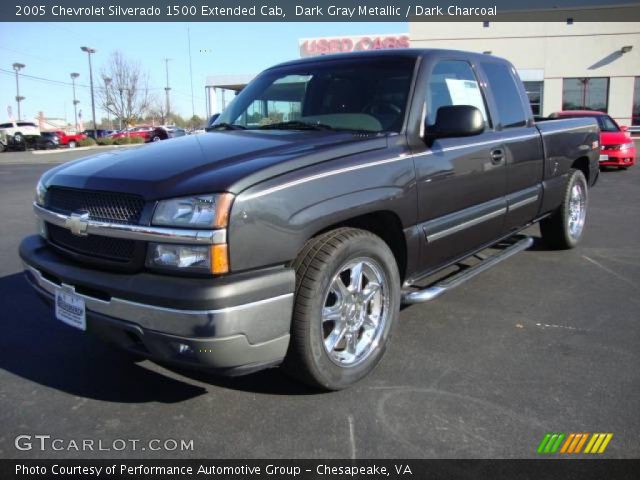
(292, 233)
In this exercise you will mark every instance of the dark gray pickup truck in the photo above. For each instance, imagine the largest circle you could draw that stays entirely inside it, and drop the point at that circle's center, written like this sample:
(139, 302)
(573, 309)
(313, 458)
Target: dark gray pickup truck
(330, 191)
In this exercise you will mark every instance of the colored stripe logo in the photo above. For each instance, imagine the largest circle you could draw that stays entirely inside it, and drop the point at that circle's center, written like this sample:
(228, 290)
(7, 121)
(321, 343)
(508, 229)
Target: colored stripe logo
(573, 443)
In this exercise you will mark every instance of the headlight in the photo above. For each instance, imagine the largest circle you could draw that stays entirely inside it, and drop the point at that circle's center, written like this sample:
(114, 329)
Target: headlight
(41, 192)
(190, 258)
(201, 211)
(627, 146)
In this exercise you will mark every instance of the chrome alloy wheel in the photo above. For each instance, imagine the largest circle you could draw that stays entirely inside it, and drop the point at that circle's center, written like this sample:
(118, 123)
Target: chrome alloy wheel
(577, 210)
(356, 309)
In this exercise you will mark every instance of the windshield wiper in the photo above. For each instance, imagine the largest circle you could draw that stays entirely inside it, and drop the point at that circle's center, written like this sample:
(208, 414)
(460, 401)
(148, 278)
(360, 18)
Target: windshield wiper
(296, 125)
(226, 126)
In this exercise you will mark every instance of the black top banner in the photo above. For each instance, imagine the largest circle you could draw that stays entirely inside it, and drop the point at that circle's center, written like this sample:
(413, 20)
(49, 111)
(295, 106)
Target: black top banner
(316, 10)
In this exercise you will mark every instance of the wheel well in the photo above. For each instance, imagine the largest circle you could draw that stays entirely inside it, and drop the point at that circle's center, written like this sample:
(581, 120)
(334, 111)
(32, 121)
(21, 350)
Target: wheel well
(582, 164)
(385, 225)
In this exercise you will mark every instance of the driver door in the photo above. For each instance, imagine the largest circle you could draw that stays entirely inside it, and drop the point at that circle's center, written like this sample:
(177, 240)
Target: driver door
(461, 180)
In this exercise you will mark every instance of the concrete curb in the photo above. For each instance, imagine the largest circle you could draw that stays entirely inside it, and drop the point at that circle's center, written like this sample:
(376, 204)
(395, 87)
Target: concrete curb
(81, 149)
(27, 158)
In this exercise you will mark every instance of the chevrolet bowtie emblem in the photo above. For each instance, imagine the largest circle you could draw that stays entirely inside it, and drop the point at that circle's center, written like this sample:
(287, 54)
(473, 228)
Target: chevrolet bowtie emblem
(78, 223)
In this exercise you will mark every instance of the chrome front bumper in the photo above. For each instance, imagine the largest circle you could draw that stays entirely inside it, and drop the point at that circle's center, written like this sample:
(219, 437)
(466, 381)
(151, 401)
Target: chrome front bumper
(227, 321)
(246, 328)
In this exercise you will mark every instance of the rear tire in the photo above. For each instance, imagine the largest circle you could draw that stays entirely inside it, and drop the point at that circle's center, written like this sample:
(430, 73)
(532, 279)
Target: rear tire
(20, 142)
(347, 301)
(72, 144)
(563, 229)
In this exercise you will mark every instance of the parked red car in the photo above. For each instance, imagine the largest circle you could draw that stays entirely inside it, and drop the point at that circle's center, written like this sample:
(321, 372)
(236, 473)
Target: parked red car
(143, 131)
(70, 140)
(617, 146)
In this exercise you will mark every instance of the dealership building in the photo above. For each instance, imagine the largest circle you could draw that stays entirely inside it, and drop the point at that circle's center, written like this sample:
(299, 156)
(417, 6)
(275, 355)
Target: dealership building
(568, 64)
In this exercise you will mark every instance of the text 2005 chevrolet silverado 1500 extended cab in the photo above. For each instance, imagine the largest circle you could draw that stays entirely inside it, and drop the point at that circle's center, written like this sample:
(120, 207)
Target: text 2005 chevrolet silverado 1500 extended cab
(293, 232)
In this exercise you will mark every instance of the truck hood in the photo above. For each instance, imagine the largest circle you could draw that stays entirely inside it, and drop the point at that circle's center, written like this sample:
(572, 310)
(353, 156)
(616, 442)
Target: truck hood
(213, 162)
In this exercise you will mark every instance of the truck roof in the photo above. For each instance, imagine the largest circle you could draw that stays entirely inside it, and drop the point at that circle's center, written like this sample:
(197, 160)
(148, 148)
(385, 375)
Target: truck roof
(390, 53)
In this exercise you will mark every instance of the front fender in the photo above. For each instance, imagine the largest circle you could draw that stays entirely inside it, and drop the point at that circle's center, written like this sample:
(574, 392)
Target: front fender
(270, 223)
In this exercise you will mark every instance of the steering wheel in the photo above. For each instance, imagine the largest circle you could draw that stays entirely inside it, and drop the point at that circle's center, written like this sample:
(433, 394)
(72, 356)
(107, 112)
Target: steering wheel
(381, 107)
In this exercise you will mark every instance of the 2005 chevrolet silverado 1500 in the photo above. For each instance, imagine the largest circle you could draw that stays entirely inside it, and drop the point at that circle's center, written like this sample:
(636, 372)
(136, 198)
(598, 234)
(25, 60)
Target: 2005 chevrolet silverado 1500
(291, 234)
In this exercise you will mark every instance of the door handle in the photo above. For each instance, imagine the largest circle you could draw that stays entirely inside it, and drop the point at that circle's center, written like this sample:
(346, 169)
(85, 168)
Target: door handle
(497, 156)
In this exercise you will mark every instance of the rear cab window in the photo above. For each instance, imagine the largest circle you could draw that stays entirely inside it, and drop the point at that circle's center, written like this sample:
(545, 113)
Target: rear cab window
(506, 93)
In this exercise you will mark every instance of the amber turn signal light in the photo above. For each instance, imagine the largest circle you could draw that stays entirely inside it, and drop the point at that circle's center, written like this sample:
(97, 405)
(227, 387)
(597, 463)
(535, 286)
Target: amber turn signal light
(223, 207)
(219, 259)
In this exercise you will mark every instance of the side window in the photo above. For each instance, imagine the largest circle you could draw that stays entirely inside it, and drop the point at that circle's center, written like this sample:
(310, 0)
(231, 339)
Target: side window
(6, 125)
(452, 82)
(506, 94)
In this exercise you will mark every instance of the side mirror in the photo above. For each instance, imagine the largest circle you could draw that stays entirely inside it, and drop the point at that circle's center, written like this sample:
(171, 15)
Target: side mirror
(456, 121)
(625, 129)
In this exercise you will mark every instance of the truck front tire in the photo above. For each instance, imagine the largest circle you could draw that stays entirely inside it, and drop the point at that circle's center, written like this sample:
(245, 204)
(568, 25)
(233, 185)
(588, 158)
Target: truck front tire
(564, 228)
(347, 301)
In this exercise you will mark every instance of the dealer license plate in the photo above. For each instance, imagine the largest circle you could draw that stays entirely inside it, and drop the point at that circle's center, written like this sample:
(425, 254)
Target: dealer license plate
(70, 309)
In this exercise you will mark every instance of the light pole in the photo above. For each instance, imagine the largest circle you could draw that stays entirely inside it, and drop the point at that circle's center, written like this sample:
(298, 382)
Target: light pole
(107, 82)
(17, 67)
(166, 90)
(193, 105)
(75, 102)
(93, 103)
(121, 107)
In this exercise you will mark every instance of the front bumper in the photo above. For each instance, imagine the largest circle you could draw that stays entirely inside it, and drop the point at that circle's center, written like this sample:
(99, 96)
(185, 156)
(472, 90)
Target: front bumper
(233, 324)
(616, 158)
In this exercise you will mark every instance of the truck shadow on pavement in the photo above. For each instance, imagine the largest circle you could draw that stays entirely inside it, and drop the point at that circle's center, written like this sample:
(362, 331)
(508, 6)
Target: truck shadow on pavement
(270, 381)
(37, 347)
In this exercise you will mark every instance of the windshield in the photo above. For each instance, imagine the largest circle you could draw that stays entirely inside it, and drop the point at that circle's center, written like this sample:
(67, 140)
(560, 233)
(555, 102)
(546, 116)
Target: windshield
(364, 95)
(607, 124)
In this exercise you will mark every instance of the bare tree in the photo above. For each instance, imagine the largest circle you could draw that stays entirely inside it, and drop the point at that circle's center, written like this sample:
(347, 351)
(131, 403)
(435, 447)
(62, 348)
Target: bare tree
(126, 94)
(158, 110)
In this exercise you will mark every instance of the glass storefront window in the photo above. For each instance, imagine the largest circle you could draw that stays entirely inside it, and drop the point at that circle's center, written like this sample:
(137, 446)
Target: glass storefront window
(585, 94)
(534, 92)
(635, 111)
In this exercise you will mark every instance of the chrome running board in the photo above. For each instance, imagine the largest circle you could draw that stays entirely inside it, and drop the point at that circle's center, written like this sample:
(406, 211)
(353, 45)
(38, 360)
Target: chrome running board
(457, 279)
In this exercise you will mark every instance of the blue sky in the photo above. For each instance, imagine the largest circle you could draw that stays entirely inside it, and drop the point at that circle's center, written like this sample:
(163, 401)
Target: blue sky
(52, 51)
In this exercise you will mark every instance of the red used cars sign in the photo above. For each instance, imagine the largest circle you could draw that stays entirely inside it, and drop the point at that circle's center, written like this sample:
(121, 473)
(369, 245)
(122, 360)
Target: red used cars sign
(322, 46)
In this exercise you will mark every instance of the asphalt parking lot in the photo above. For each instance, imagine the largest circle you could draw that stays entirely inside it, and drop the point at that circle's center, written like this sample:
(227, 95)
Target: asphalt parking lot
(545, 342)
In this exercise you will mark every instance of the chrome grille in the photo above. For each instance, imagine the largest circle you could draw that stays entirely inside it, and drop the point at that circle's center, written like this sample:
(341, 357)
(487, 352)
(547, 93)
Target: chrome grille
(102, 206)
(113, 249)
